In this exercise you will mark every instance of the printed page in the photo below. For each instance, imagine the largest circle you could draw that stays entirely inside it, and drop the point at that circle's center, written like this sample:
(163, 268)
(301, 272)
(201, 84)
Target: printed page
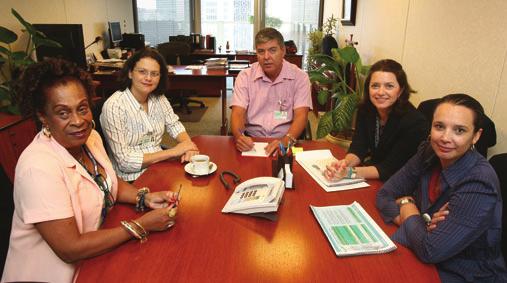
(314, 162)
(351, 231)
(258, 150)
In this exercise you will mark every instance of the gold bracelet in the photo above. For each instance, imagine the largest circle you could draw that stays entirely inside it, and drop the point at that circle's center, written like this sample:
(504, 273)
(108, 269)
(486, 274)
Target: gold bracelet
(144, 233)
(126, 225)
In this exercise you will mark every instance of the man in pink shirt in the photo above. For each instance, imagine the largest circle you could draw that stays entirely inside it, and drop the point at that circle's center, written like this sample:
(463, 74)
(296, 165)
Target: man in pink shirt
(272, 98)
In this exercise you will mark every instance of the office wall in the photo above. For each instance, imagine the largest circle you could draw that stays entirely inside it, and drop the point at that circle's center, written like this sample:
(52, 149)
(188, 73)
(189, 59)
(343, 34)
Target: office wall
(92, 14)
(445, 47)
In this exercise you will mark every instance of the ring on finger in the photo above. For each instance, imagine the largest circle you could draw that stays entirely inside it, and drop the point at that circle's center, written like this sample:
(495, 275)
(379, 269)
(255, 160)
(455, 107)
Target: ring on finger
(170, 224)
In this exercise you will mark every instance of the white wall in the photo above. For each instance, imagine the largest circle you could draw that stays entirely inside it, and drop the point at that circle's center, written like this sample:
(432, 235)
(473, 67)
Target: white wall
(92, 14)
(444, 46)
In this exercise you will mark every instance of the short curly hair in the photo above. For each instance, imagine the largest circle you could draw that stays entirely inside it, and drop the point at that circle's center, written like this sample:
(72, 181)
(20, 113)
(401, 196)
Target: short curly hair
(39, 78)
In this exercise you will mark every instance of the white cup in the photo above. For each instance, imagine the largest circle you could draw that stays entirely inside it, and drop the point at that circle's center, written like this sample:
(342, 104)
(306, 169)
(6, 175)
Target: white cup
(200, 164)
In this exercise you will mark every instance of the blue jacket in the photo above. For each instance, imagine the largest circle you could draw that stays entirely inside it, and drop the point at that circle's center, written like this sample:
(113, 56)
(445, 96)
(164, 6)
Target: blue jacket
(465, 247)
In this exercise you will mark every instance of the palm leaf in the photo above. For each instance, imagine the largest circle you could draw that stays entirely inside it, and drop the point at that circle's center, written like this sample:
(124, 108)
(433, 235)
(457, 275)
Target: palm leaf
(7, 36)
(343, 112)
(325, 125)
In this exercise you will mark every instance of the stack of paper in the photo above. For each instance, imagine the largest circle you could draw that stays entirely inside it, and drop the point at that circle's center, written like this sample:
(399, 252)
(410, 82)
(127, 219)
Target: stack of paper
(216, 63)
(351, 231)
(315, 161)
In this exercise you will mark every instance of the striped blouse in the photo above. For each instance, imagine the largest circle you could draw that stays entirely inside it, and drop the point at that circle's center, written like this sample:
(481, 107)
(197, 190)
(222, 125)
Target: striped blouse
(131, 132)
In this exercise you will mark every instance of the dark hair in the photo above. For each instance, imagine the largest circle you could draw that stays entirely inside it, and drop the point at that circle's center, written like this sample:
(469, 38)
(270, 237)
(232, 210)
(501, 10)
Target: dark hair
(267, 34)
(467, 101)
(152, 53)
(402, 104)
(38, 79)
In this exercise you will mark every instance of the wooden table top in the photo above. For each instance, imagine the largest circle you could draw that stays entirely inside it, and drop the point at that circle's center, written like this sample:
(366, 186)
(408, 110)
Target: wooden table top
(206, 245)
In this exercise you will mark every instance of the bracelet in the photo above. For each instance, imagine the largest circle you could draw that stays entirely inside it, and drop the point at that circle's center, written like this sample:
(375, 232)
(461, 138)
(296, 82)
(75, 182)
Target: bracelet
(135, 229)
(141, 193)
(126, 225)
(351, 174)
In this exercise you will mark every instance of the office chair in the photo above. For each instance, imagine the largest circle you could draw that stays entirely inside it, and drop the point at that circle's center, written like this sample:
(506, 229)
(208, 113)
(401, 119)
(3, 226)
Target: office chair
(499, 163)
(488, 137)
(179, 53)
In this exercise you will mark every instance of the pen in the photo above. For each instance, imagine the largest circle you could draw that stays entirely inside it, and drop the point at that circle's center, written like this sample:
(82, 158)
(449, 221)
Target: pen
(282, 149)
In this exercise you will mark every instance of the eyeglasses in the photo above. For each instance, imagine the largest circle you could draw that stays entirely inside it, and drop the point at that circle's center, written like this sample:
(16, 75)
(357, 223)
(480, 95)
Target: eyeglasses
(146, 73)
(108, 197)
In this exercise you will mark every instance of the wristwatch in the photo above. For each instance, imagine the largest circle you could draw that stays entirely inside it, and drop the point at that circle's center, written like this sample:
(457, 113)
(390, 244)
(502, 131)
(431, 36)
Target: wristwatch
(405, 201)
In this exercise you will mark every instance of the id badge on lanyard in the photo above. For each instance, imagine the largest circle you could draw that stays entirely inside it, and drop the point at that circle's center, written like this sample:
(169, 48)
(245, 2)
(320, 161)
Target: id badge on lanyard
(147, 138)
(280, 114)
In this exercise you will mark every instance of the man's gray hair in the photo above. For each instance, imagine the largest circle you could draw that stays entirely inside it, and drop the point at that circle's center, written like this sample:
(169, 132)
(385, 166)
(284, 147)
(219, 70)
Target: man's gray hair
(267, 34)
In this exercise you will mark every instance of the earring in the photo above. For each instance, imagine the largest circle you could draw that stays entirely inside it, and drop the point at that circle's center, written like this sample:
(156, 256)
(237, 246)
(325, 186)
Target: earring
(472, 148)
(46, 131)
(93, 124)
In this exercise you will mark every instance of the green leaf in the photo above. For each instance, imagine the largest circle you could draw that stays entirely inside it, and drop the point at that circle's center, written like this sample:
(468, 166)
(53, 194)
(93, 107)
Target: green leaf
(325, 125)
(5, 51)
(29, 28)
(342, 114)
(18, 55)
(43, 41)
(7, 36)
(322, 96)
(13, 109)
(349, 54)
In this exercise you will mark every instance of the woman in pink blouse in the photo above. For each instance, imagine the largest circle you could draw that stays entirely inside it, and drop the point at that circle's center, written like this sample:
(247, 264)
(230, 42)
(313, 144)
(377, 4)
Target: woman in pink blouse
(65, 184)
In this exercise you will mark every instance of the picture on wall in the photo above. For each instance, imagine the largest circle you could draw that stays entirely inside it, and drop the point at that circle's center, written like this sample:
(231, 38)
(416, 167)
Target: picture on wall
(349, 12)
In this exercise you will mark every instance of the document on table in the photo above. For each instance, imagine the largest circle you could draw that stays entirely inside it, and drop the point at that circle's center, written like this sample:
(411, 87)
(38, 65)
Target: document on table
(351, 231)
(314, 162)
(257, 150)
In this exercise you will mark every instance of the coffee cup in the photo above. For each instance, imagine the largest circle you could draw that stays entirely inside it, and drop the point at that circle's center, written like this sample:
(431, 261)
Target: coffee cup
(200, 164)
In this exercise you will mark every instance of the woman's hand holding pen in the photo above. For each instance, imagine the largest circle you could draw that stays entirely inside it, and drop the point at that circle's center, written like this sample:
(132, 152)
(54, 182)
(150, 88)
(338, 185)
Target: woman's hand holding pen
(160, 199)
(336, 171)
(157, 219)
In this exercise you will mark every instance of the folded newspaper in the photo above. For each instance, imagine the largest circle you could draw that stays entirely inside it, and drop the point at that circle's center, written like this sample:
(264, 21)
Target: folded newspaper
(351, 231)
(315, 161)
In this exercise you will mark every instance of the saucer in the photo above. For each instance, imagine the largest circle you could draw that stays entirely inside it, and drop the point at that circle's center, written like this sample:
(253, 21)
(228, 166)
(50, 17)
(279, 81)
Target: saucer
(189, 170)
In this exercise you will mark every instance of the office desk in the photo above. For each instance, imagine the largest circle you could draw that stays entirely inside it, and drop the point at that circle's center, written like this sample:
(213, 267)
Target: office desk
(208, 246)
(296, 59)
(202, 81)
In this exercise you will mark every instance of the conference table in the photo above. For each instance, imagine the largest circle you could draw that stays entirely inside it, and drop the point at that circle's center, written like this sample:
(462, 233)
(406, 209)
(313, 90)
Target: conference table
(207, 245)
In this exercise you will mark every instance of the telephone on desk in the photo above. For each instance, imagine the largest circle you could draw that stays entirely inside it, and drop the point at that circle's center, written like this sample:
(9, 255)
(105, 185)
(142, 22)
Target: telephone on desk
(257, 195)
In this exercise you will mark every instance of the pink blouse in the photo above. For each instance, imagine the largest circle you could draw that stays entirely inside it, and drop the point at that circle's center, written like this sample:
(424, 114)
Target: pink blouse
(50, 184)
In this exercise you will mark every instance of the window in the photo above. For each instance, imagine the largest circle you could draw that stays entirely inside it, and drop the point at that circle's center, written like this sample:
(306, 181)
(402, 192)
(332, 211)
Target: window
(294, 19)
(229, 21)
(157, 19)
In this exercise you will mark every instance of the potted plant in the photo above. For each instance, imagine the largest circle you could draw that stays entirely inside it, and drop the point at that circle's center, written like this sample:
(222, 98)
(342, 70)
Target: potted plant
(13, 62)
(340, 82)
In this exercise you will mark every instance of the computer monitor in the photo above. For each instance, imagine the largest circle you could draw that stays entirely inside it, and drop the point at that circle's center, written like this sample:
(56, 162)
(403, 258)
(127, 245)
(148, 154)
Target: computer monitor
(115, 33)
(70, 36)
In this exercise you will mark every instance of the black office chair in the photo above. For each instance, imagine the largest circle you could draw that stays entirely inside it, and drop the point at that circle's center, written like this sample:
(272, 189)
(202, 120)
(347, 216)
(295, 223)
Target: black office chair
(6, 211)
(488, 137)
(499, 163)
(178, 53)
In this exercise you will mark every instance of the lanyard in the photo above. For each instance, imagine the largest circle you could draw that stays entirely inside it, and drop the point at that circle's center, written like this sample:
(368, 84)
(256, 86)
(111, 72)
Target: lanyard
(378, 131)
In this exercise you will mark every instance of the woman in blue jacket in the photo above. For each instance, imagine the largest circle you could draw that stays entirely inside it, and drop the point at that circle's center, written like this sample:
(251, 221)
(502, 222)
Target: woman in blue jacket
(446, 199)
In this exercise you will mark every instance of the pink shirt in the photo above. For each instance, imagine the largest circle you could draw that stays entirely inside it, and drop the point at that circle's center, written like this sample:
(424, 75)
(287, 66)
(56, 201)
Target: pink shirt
(50, 184)
(261, 97)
